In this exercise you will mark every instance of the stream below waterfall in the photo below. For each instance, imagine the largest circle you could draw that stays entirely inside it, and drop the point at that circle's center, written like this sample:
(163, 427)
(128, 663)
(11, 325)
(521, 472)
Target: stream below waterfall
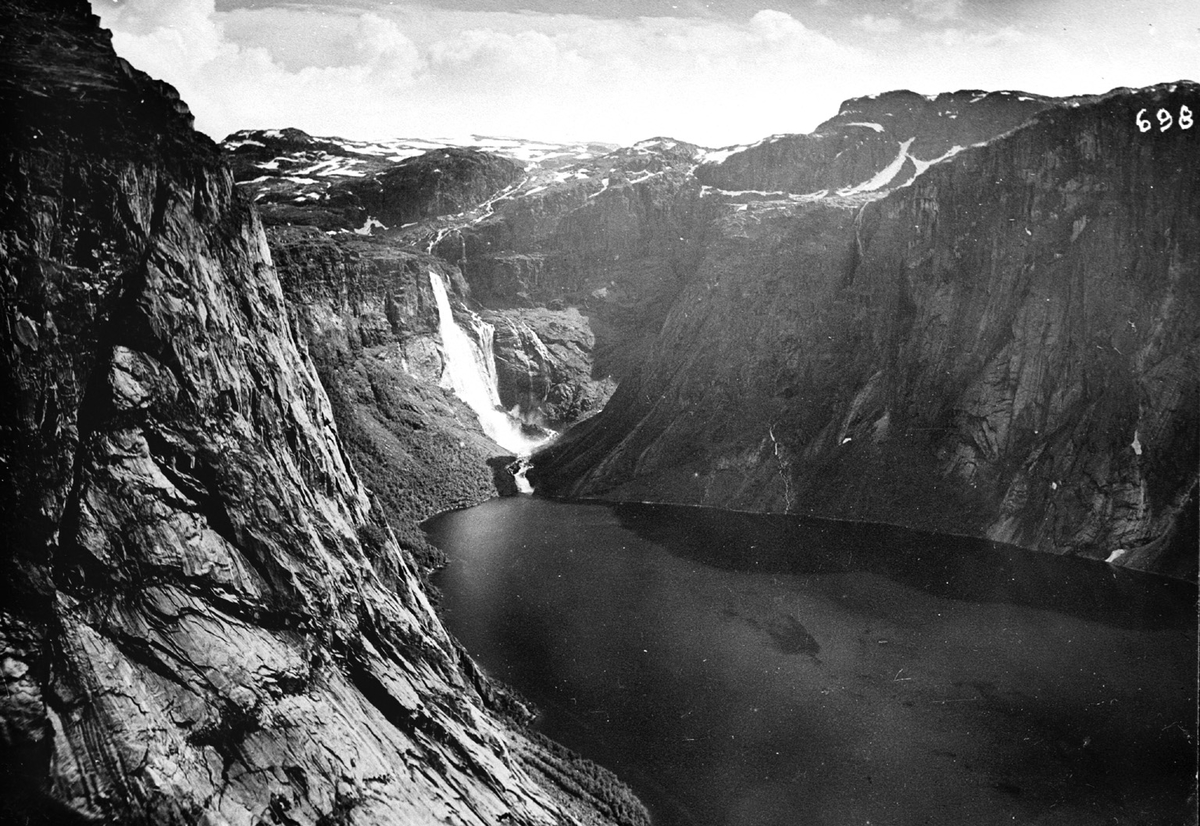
(767, 670)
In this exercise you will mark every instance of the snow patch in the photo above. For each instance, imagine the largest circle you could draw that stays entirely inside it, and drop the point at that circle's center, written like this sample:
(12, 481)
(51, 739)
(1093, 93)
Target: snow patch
(877, 127)
(718, 155)
(645, 177)
(604, 182)
(923, 165)
(370, 224)
(884, 176)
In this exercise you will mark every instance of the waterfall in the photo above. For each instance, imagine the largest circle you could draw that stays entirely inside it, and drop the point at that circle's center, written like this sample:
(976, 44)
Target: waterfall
(471, 373)
(523, 485)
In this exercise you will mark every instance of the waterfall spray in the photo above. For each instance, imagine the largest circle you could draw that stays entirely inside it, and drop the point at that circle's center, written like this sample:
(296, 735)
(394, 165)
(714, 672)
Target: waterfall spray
(471, 373)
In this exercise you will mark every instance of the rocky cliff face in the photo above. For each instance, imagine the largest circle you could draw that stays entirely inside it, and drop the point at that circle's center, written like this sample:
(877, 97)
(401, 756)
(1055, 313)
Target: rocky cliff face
(205, 616)
(366, 310)
(1005, 347)
(544, 364)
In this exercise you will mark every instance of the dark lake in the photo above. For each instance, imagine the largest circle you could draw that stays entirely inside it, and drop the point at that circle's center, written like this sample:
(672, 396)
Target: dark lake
(771, 671)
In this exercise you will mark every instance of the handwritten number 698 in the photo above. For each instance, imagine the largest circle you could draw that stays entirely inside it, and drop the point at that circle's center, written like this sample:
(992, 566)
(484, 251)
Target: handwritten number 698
(1164, 119)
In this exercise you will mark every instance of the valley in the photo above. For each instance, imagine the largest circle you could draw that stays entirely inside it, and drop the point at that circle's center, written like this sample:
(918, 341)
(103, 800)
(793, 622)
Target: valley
(241, 376)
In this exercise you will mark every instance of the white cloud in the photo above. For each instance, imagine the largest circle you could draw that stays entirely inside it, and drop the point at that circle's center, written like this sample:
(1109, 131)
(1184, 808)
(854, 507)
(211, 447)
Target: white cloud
(936, 11)
(407, 69)
(877, 25)
(428, 71)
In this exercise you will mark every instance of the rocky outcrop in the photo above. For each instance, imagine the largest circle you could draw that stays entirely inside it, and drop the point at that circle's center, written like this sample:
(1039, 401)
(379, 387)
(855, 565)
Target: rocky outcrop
(285, 150)
(439, 182)
(205, 616)
(1007, 347)
(544, 364)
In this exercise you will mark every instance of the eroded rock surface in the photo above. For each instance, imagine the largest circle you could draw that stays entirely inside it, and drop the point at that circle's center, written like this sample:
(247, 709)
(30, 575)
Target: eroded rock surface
(206, 617)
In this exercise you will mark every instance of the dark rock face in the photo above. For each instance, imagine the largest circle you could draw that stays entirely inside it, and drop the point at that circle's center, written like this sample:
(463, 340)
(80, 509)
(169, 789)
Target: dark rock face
(622, 214)
(205, 617)
(869, 134)
(1006, 348)
(544, 363)
(440, 182)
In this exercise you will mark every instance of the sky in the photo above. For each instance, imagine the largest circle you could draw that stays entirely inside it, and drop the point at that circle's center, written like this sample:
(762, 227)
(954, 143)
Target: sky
(712, 73)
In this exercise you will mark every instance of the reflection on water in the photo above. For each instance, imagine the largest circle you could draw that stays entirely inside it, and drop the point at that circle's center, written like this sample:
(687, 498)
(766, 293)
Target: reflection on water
(748, 669)
(949, 566)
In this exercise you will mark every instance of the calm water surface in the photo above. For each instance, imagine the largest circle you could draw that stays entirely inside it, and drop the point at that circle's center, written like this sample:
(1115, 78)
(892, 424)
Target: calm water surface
(763, 670)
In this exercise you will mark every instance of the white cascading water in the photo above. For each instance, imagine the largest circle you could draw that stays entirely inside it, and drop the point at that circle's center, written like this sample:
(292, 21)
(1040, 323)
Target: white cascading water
(471, 373)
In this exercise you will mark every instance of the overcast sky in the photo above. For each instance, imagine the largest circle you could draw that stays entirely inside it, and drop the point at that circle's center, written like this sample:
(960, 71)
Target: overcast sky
(714, 73)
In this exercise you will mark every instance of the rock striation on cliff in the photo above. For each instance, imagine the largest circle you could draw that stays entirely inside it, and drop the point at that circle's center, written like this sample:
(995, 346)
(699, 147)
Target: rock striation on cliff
(205, 616)
(1006, 346)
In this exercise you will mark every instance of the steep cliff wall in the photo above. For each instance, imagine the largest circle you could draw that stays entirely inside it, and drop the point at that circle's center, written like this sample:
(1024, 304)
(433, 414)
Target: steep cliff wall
(367, 313)
(1007, 347)
(204, 618)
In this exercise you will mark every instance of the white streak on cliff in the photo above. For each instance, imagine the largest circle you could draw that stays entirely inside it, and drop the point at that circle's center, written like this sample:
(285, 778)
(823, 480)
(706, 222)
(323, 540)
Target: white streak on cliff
(470, 372)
